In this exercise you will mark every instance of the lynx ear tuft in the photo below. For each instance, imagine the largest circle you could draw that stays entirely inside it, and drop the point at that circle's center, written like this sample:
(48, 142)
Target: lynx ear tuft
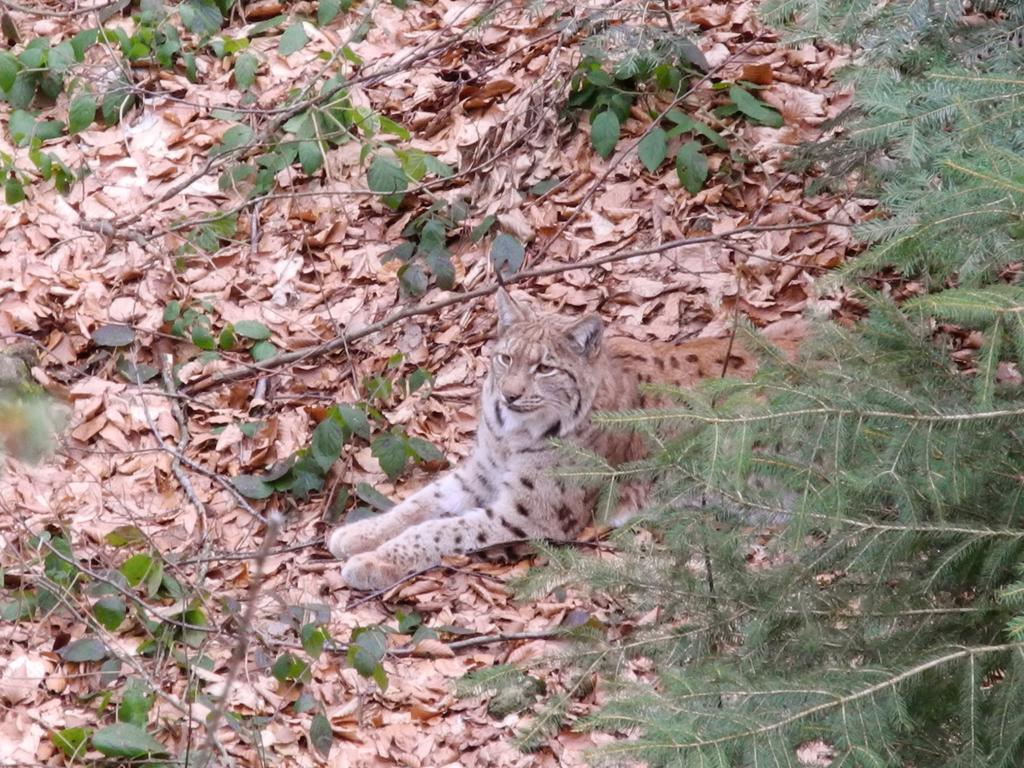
(509, 312)
(586, 334)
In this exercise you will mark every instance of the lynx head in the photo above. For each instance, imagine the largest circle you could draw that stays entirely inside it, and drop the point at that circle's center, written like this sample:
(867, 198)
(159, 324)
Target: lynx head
(542, 366)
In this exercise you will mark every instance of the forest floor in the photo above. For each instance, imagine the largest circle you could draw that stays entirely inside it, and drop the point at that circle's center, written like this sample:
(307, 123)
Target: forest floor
(138, 468)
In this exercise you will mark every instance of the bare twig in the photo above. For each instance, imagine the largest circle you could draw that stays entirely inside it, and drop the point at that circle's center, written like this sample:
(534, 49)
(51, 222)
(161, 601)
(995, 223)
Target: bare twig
(244, 630)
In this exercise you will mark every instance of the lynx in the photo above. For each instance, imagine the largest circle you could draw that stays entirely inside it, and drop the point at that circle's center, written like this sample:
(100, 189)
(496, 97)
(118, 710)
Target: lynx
(548, 374)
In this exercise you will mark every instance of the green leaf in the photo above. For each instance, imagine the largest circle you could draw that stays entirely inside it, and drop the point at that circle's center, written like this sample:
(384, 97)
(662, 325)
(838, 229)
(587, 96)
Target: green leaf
(425, 450)
(263, 350)
(289, 668)
(13, 191)
(85, 649)
(754, 108)
(506, 251)
(71, 741)
(125, 536)
(202, 337)
(137, 568)
(412, 279)
(61, 57)
(407, 622)
(313, 638)
(320, 735)
(21, 126)
(480, 230)
(653, 149)
(390, 450)
(234, 137)
(246, 65)
(226, 338)
(113, 336)
(353, 419)
(9, 67)
(126, 740)
(110, 612)
(604, 133)
(326, 10)
(327, 441)
(365, 651)
(373, 497)
(292, 39)
(136, 702)
(692, 167)
(202, 17)
(252, 329)
(252, 487)
(310, 156)
(386, 178)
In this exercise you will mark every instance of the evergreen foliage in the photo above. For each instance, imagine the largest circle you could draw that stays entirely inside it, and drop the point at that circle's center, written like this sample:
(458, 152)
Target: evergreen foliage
(839, 541)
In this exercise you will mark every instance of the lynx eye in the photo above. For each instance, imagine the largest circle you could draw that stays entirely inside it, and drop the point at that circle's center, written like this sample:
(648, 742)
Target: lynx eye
(504, 359)
(544, 370)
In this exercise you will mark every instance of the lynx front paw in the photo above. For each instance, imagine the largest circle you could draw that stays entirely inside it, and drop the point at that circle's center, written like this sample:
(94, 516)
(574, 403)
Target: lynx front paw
(348, 540)
(370, 571)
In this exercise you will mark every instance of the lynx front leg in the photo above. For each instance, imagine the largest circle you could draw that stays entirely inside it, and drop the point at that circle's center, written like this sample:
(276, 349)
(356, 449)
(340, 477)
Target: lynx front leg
(425, 544)
(454, 493)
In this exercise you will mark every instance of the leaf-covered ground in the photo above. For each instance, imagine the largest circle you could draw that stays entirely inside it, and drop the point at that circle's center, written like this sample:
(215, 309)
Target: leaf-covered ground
(97, 280)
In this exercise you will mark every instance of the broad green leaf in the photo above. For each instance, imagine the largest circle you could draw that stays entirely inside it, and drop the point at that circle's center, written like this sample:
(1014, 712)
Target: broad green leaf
(320, 735)
(124, 536)
(110, 612)
(327, 441)
(252, 487)
(21, 126)
(353, 419)
(289, 668)
(310, 156)
(424, 449)
(71, 741)
(81, 112)
(246, 65)
(14, 192)
(365, 651)
(136, 702)
(61, 57)
(390, 450)
(202, 337)
(202, 17)
(385, 177)
(412, 279)
(252, 329)
(9, 67)
(313, 638)
(507, 251)
(754, 108)
(126, 740)
(604, 133)
(85, 649)
(373, 497)
(234, 137)
(263, 350)
(113, 336)
(137, 568)
(326, 11)
(653, 148)
(692, 167)
(292, 39)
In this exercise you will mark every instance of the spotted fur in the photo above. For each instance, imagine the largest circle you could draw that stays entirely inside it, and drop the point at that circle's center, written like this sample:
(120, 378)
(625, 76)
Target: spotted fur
(548, 374)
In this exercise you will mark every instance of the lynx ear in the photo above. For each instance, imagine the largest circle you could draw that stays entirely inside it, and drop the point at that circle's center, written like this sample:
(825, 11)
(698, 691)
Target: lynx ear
(586, 333)
(509, 311)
